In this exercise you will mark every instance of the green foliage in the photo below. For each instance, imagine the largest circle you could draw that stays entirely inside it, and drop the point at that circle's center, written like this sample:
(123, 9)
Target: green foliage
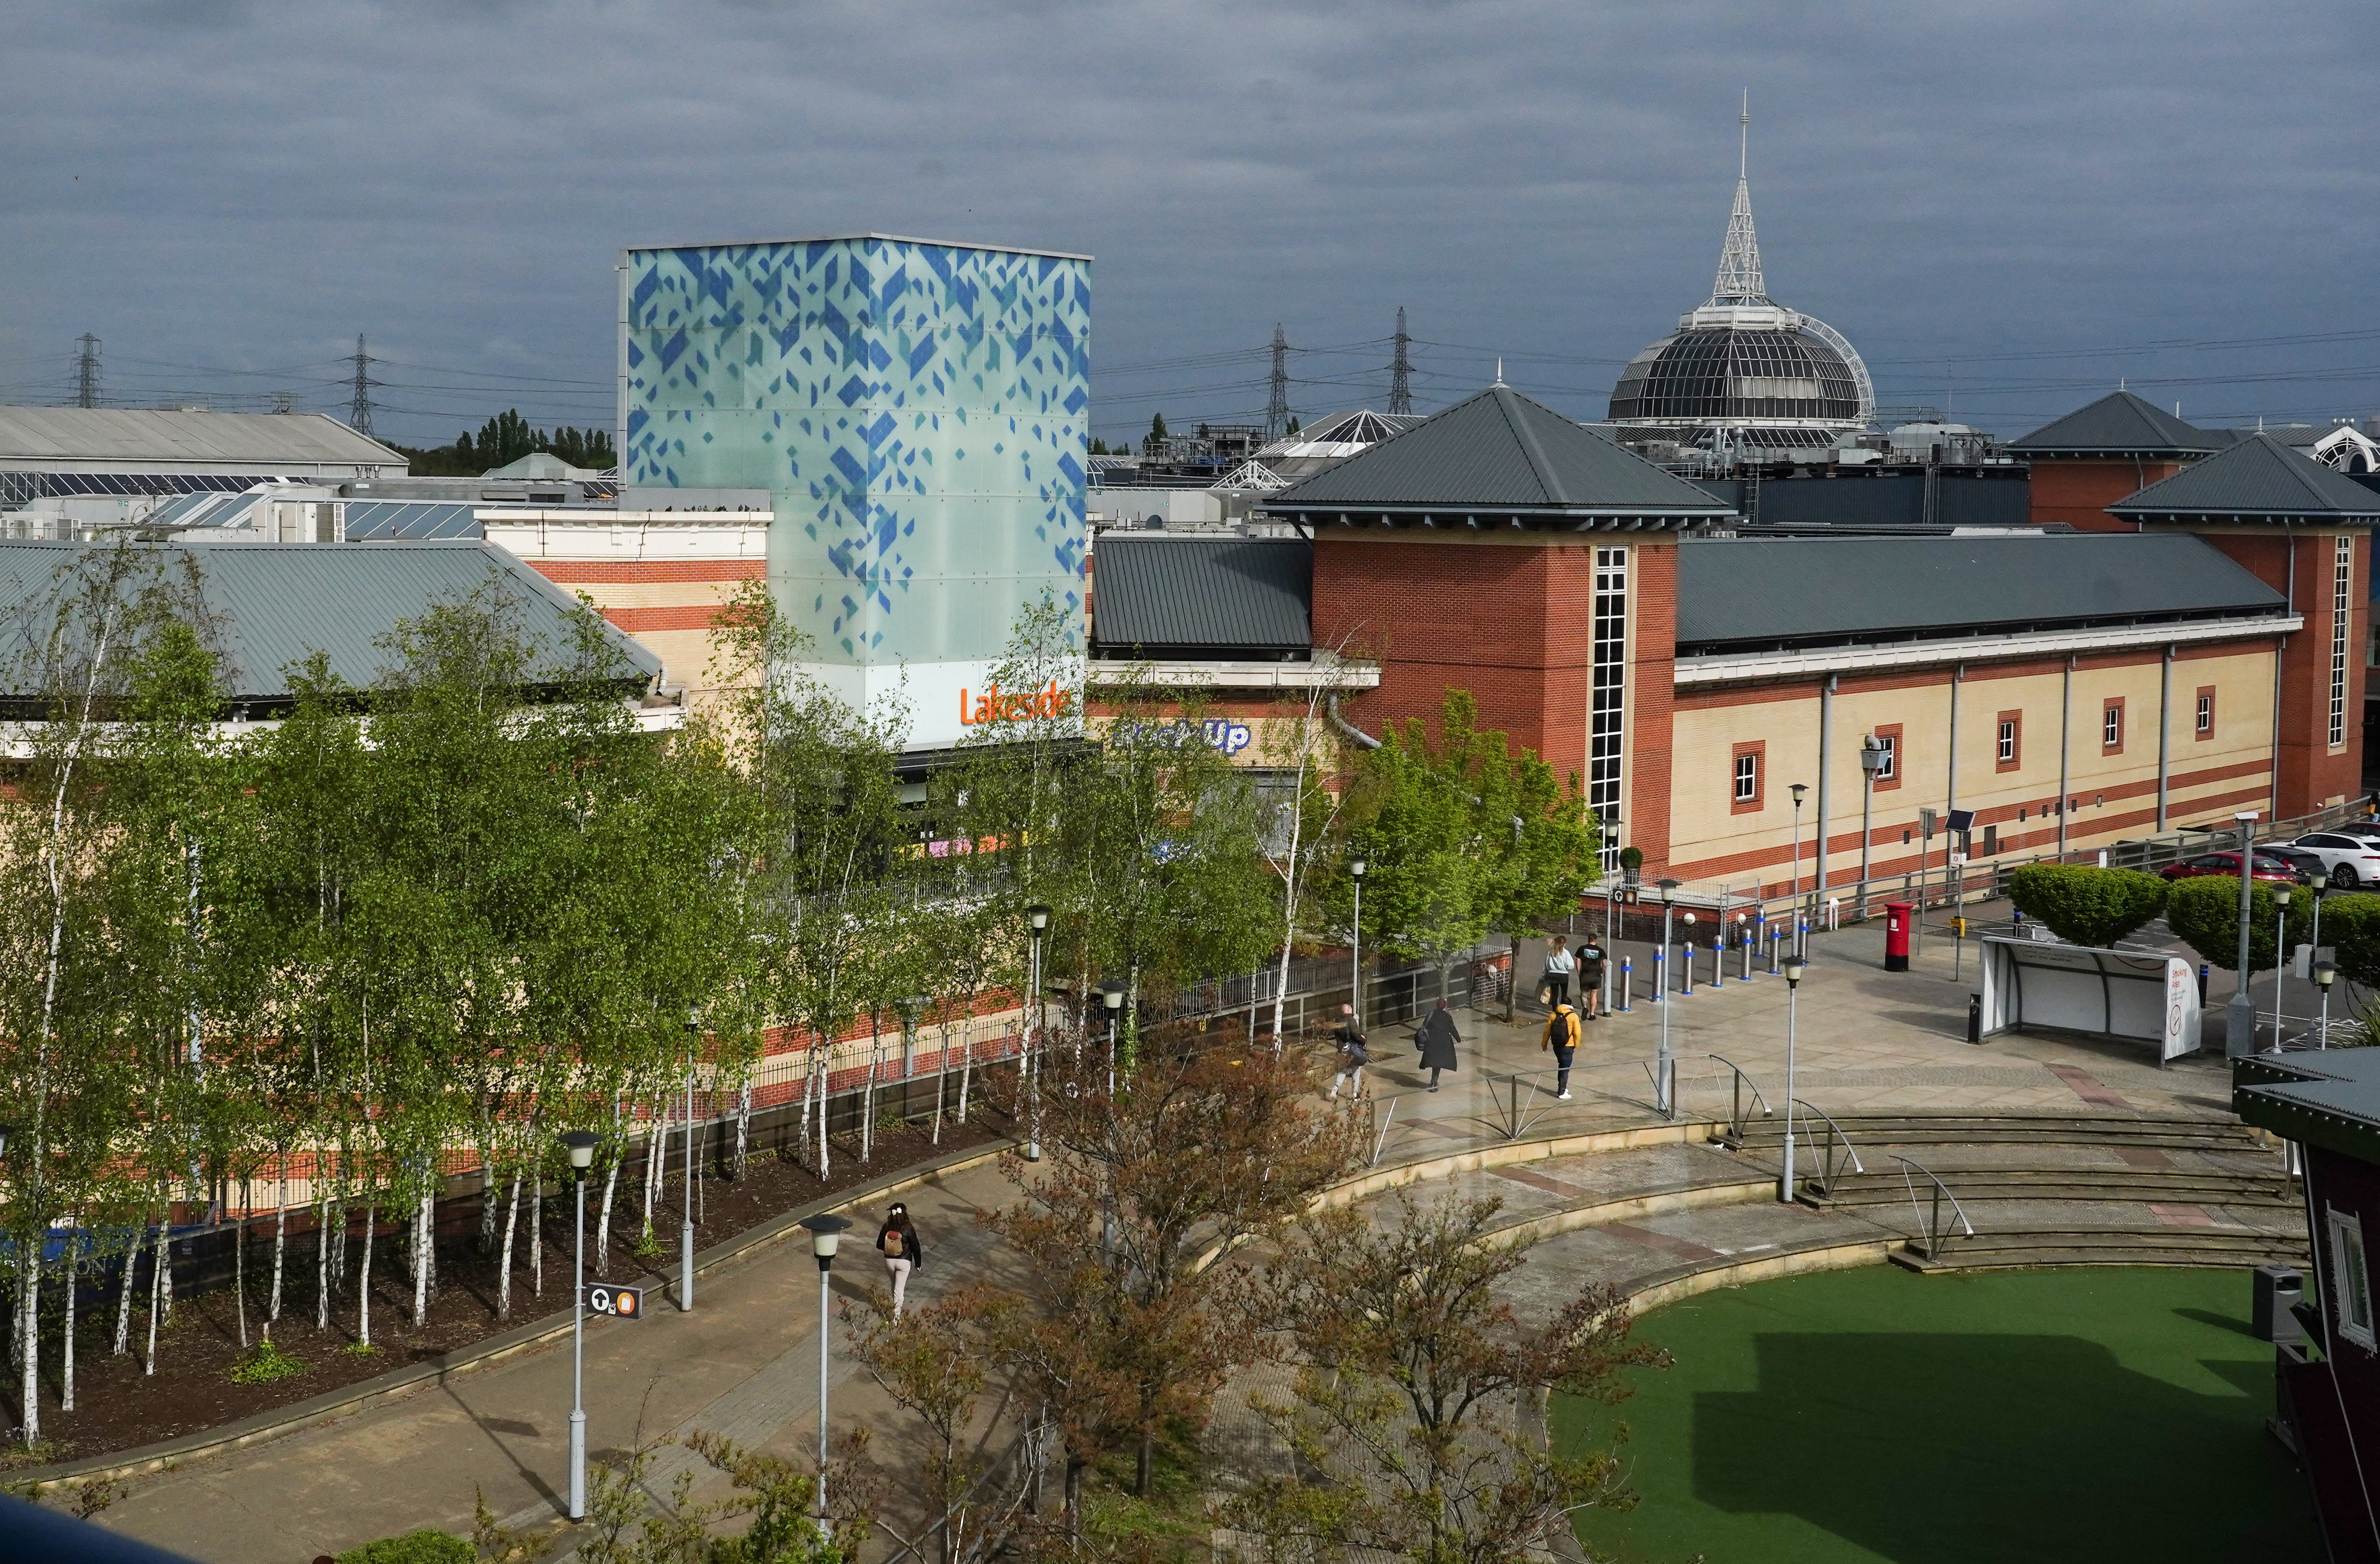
(1464, 837)
(414, 1548)
(1632, 859)
(505, 439)
(2081, 905)
(263, 1364)
(2204, 913)
(2352, 924)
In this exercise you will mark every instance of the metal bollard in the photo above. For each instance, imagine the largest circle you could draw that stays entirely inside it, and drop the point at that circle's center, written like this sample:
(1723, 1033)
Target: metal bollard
(1718, 961)
(1686, 967)
(1660, 974)
(1627, 974)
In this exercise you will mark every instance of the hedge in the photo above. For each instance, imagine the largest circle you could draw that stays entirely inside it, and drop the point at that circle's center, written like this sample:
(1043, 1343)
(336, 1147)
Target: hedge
(414, 1548)
(2087, 906)
(2204, 913)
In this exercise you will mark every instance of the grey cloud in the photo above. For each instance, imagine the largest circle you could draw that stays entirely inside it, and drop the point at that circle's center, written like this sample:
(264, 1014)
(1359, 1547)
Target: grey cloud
(245, 187)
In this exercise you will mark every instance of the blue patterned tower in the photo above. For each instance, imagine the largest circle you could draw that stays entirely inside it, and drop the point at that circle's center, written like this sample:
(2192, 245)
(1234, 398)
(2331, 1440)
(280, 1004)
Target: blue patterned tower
(919, 414)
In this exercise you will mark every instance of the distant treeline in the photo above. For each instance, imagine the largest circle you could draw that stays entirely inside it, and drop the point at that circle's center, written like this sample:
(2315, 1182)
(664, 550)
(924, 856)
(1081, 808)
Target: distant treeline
(505, 439)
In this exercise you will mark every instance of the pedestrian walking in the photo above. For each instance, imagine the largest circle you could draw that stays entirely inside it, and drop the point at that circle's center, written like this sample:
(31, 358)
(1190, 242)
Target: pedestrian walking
(1561, 1036)
(897, 1242)
(1590, 975)
(1352, 1055)
(1437, 1039)
(1560, 964)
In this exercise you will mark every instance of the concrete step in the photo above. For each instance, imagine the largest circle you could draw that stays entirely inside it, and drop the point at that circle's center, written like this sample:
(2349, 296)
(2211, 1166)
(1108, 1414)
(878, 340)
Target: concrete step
(2140, 1255)
(1896, 1132)
(2066, 1184)
(2080, 1238)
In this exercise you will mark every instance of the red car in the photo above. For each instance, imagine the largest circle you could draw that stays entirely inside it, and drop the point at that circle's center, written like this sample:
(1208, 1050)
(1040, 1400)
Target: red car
(2269, 866)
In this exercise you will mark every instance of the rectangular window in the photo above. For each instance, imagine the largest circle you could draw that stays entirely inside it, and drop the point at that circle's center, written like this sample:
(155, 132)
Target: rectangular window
(2010, 755)
(1747, 777)
(2207, 711)
(2351, 1284)
(2342, 578)
(1888, 775)
(2111, 726)
(1609, 685)
(1991, 840)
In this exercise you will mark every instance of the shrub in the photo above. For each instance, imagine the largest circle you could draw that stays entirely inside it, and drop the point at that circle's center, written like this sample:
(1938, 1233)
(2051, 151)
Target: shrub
(2205, 913)
(1631, 858)
(2351, 923)
(414, 1548)
(2087, 906)
(263, 1364)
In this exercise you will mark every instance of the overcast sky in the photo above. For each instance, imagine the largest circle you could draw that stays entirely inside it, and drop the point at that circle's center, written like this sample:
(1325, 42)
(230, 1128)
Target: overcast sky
(2005, 206)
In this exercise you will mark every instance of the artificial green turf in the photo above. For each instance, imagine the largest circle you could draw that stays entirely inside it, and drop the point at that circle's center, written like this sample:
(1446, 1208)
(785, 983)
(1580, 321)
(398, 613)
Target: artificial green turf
(2103, 1413)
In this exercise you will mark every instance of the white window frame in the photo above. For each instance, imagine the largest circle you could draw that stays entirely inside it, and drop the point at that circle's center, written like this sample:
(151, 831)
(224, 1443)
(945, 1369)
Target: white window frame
(1747, 777)
(2008, 744)
(2111, 726)
(2342, 573)
(2351, 1279)
(2205, 718)
(1891, 743)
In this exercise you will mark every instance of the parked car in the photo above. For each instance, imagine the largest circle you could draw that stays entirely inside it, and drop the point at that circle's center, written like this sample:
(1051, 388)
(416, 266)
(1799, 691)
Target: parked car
(2368, 830)
(2348, 860)
(2269, 865)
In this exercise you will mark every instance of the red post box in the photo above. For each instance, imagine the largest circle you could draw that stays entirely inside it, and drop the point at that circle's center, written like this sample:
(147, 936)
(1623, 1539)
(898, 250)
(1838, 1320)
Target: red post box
(1896, 936)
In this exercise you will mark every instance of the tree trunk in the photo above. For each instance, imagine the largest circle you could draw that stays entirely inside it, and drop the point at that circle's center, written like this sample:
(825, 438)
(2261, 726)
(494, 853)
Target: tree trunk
(322, 1259)
(966, 1058)
(603, 1222)
(161, 1272)
(537, 1236)
(504, 1270)
(124, 1293)
(487, 1189)
(656, 1151)
(868, 1093)
(363, 1277)
(802, 1135)
(743, 1131)
(1144, 1469)
(29, 1327)
(280, 1247)
(240, 1267)
(66, 1349)
(421, 1249)
(825, 1143)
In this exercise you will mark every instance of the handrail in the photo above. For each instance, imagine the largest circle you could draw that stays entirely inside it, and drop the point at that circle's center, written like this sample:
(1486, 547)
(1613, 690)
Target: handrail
(1733, 1139)
(1824, 1182)
(1933, 1229)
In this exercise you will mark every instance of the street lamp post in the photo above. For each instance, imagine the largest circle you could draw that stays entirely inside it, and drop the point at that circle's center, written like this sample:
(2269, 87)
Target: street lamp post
(1355, 972)
(580, 1144)
(1113, 998)
(2324, 972)
(1661, 1093)
(1872, 757)
(685, 1217)
(1797, 790)
(1037, 917)
(2240, 1014)
(826, 1230)
(1794, 967)
(2281, 949)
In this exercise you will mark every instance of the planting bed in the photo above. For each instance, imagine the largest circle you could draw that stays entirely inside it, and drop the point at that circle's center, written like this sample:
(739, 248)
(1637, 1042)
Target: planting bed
(119, 1407)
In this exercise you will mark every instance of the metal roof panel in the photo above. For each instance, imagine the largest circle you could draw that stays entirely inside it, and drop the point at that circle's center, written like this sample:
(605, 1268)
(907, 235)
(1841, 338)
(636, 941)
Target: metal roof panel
(1241, 592)
(2260, 476)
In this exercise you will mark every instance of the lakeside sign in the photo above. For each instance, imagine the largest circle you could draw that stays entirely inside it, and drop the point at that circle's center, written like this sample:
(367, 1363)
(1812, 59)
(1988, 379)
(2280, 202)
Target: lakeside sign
(996, 705)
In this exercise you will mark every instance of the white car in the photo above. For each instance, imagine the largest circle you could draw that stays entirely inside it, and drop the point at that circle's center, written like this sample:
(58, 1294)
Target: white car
(2347, 861)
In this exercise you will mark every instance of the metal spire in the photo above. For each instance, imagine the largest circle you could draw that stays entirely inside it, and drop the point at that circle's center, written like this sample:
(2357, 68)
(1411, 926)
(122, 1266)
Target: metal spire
(1400, 370)
(1739, 258)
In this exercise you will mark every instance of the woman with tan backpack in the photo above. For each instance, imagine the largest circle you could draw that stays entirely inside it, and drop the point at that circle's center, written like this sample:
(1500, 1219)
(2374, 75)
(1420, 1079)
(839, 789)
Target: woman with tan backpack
(897, 1242)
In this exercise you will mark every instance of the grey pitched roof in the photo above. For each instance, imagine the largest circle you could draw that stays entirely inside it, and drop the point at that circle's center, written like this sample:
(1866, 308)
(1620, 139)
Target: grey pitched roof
(2259, 477)
(280, 602)
(1750, 592)
(2119, 424)
(291, 442)
(1161, 593)
(1499, 451)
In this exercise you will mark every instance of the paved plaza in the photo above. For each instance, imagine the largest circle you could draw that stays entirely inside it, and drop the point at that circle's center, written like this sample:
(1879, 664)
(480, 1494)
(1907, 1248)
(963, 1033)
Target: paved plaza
(744, 1363)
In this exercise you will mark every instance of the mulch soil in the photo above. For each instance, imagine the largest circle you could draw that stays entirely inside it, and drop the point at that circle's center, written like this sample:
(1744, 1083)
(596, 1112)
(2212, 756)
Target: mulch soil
(120, 1407)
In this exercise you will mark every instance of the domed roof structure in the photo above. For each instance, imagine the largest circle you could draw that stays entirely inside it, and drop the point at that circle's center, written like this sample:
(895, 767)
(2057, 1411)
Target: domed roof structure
(1743, 371)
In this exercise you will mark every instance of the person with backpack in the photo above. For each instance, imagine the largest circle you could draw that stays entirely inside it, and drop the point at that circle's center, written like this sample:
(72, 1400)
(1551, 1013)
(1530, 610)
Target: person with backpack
(897, 1242)
(1561, 1036)
(1352, 1055)
(1436, 1039)
(1590, 977)
(1560, 964)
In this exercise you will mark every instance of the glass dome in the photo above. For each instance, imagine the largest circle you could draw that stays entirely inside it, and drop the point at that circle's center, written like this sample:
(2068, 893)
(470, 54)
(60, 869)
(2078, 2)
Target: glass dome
(1737, 375)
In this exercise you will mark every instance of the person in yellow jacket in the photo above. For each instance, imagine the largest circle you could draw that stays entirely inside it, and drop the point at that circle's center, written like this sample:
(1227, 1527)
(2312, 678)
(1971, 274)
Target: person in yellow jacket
(1561, 1036)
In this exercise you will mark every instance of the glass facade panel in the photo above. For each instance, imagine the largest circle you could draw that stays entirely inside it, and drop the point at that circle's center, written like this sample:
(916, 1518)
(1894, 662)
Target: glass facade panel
(1605, 730)
(2342, 576)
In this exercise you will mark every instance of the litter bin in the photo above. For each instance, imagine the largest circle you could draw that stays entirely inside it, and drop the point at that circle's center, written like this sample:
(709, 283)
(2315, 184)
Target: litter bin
(1896, 936)
(2274, 1292)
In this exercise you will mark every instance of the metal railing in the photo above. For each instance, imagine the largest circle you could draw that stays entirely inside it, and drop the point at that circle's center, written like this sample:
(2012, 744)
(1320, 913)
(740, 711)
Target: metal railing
(1838, 1145)
(1930, 1221)
(1733, 1137)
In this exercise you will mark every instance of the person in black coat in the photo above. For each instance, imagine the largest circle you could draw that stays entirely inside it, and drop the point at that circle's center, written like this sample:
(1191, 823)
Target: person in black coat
(897, 1242)
(1437, 1039)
